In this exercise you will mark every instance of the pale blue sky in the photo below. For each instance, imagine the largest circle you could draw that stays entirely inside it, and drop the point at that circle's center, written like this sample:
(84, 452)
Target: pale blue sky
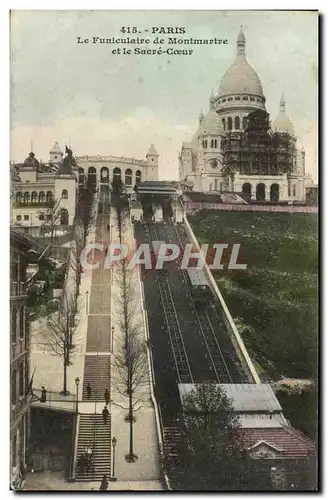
(110, 104)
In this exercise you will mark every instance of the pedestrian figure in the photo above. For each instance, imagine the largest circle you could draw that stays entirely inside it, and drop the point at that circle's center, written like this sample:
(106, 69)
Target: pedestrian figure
(106, 396)
(105, 414)
(88, 391)
(103, 484)
(43, 397)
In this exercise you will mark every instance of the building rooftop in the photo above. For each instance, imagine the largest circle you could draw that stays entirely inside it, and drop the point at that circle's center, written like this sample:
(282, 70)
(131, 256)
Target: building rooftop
(245, 397)
(289, 442)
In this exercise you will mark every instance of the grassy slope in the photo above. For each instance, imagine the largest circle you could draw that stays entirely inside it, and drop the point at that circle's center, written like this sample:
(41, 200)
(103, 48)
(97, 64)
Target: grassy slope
(275, 299)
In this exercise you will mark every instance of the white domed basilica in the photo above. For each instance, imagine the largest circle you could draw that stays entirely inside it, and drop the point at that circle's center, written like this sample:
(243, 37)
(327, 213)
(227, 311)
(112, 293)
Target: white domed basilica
(201, 161)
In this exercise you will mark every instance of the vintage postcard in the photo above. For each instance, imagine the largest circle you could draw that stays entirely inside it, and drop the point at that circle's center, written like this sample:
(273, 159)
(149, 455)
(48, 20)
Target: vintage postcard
(164, 250)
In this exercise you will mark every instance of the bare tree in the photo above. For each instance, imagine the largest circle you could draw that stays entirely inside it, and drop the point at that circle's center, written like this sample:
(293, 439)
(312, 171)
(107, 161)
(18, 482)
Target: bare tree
(131, 378)
(60, 333)
(51, 214)
(77, 245)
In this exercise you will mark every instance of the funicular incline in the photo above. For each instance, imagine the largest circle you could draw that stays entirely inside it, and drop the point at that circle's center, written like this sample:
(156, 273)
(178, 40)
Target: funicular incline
(189, 344)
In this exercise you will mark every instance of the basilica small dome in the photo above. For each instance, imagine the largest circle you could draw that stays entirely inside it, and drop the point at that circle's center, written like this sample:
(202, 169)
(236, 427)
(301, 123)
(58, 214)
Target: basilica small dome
(283, 123)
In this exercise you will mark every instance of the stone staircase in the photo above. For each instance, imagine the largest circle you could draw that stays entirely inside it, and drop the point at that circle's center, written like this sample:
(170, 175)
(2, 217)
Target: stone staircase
(94, 433)
(97, 374)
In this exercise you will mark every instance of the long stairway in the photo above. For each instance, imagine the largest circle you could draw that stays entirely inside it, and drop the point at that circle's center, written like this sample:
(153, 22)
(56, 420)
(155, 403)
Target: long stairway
(95, 434)
(91, 430)
(97, 374)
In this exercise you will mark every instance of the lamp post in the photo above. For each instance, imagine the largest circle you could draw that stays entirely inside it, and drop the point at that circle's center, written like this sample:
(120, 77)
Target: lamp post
(77, 381)
(113, 477)
(112, 340)
(86, 302)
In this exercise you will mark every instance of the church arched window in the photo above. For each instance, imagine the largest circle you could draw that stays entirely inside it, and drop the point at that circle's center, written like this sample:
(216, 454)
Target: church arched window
(64, 194)
(42, 197)
(229, 123)
(237, 123)
(223, 123)
(19, 197)
(244, 122)
(26, 197)
(34, 197)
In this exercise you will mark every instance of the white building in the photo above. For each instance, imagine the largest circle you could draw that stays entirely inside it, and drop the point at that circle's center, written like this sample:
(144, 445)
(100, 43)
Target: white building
(34, 184)
(240, 93)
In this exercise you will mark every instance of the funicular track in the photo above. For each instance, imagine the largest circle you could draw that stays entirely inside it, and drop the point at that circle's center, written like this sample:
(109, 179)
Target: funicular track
(225, 353)
(214, 353)
(179, 351)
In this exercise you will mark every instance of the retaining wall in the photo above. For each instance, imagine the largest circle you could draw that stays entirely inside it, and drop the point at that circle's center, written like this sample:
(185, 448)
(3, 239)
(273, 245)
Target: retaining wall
(226, 316)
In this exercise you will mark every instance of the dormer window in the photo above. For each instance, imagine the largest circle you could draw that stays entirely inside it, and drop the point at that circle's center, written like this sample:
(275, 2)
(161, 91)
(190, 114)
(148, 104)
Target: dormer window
(230, 98)
(237, 98)
(245, 98)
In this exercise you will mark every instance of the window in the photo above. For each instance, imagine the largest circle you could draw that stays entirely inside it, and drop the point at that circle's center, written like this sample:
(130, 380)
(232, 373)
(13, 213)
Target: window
(223, 123)
(55, 157)
(21, 379)
(294, 190)
(229, 123)
(252, 98)
(13, 325)
(215, 143)
(138, 177)
(26, 197)
(19, 197)
(49, 196)
(258, 100)
(41, 217)
(21, 323)
(64, 194)
(18, 217)
(223, 100)
(230, 98)
(245, 98)
(26, 217)
(42, 197)
(237, 98)
(48, 216)
(289, 190)
(237, 123)
(128, 177)
(244, 122)
(34, 197)
(204, 143)
(221, 186)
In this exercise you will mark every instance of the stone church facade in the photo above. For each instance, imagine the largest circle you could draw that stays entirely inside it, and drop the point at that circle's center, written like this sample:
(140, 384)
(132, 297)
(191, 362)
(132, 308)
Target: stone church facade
(201, 161)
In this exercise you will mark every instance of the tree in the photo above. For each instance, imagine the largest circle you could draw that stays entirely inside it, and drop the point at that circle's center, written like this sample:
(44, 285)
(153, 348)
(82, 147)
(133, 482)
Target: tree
(120, 202)
(131, 363)
(60, 333)
(51, 215)
(77, 245)
(211, 449)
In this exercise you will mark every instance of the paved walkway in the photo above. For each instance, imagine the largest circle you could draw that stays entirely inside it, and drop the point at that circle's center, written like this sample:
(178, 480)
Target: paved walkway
(55, 481)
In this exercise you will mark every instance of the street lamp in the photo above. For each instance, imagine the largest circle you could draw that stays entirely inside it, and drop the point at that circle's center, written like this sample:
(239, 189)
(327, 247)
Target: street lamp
(112, 340)
(86, 302)
(77, 381)
(113, 477)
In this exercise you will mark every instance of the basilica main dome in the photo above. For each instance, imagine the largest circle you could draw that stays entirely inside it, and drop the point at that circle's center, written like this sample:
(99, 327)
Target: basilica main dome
(240, 78)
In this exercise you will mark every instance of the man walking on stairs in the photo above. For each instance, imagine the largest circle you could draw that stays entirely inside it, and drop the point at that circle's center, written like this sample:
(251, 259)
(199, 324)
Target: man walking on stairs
(106, 396)
(88, 390)
(103, 484)
(105, 414)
